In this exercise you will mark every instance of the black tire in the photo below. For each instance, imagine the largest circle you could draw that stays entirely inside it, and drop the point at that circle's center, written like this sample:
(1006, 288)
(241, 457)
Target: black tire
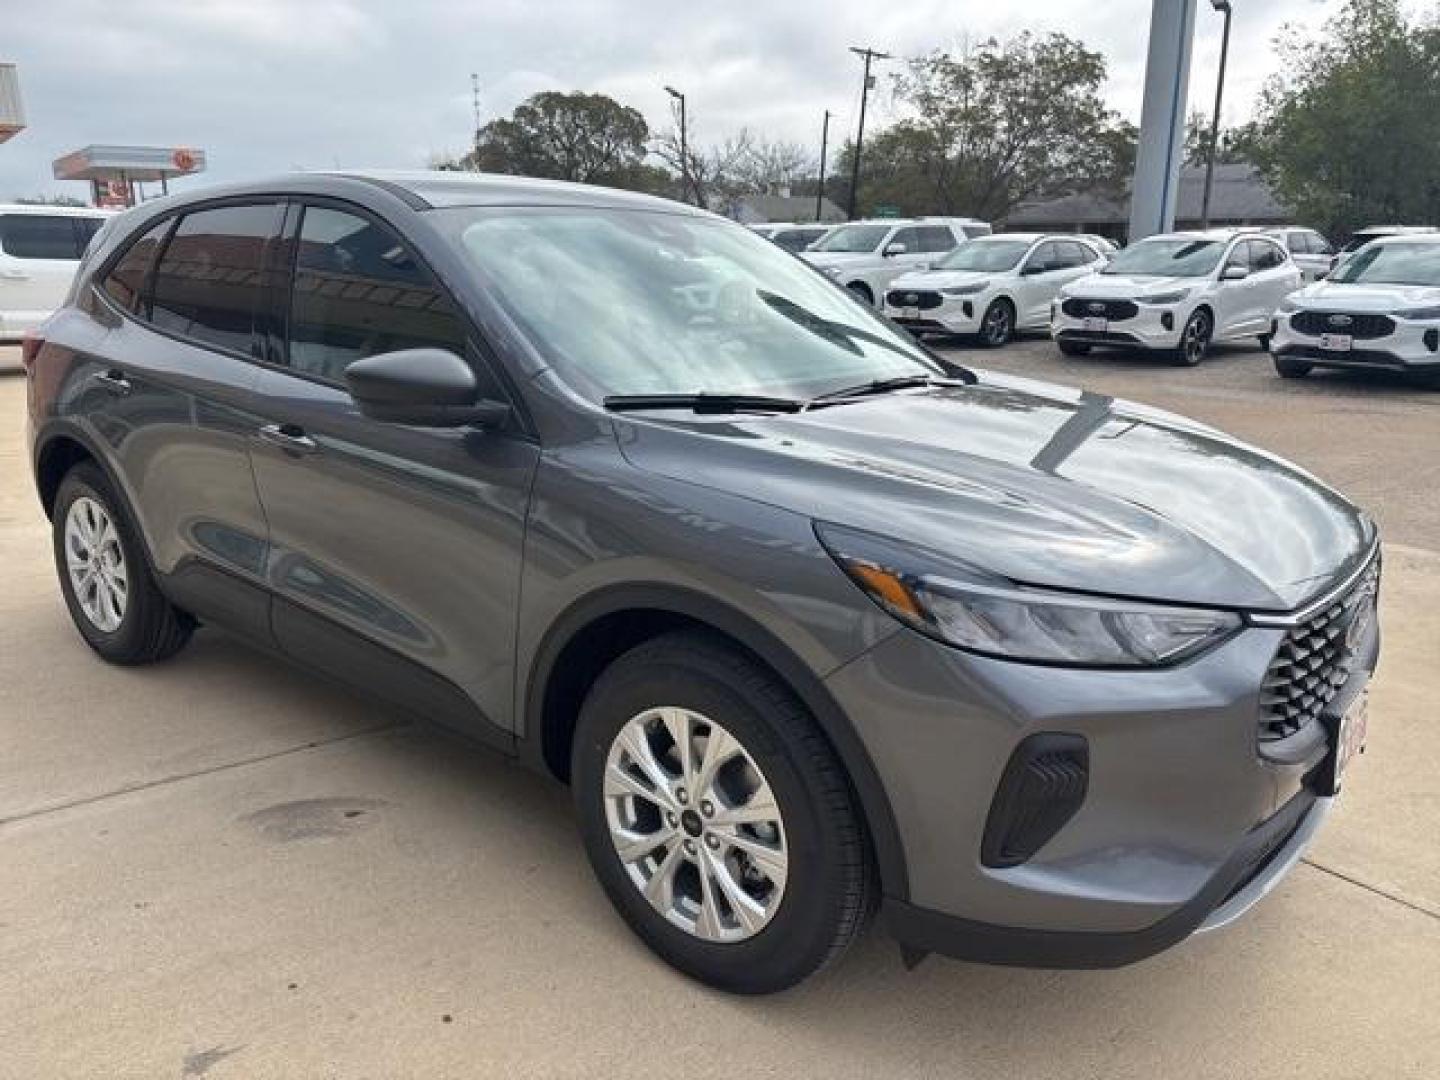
(1289, 368)
(1194, 339)
(830, 889)
(862, 292)
(1072, 348)
(997, 325)
(151, 628)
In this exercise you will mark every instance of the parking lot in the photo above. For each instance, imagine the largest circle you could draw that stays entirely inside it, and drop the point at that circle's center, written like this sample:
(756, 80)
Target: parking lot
(222, 867)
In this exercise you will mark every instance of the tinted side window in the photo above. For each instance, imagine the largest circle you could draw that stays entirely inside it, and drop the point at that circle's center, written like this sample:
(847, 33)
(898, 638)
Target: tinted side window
(936, 238)
(1297, 243)
(358, 291)
(1318, 244)
(909, 237)
(1265, 255)
(208, 282)
(1072, 254)
(126, 280)
(1239, 256)
(42, 236)
(1044, 258)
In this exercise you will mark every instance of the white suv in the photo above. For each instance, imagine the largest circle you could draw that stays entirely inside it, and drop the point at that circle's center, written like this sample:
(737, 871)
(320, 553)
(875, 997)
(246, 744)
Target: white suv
(865, 256)
(1311, 252)
(1381, 309)
(40, 247)
(1176, 293)
(991, 286)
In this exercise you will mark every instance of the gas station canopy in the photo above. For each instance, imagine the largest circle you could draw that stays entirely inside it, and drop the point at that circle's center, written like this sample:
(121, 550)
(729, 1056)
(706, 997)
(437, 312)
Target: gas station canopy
(128, 164)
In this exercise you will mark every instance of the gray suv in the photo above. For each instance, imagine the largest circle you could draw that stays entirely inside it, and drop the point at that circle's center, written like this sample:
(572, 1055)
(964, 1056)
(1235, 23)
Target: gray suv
(812, 621)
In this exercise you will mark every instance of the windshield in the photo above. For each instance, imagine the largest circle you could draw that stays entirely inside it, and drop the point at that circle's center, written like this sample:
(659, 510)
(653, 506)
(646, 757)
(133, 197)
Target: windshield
(1359, 240)
(987, 255)
(854, 238)
(1168, 258)
(629, 302)
(1392, 264)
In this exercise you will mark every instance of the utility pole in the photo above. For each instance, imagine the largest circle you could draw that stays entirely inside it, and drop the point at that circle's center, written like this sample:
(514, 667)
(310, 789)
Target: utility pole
(868, 54)
(475, 108)
(820, 188)
(684, 145)
(1218, 5)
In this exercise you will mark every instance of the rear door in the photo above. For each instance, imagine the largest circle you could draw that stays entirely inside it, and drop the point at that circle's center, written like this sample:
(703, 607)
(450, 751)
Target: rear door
(170, 389)
(396, 549)
(38, 256)
(1274, 277)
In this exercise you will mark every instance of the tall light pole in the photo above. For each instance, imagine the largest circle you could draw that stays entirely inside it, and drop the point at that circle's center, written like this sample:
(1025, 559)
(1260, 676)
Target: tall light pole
(820, 188)
(867, 54)
(1218, 5)
(684, 145)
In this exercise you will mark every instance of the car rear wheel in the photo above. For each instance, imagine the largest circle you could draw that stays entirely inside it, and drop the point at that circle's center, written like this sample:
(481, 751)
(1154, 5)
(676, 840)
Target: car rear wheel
(998, 324)
(1194, 339)
(717, 817)
(1073, 348)
(112, 596)
(1290, 368)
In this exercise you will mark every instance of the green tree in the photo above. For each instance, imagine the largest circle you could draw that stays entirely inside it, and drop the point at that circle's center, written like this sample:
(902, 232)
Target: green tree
(586, 138)
(1349, 133)
(995, 125)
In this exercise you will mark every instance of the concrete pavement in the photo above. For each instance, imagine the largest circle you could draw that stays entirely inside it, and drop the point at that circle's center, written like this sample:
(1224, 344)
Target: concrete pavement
(222, 867)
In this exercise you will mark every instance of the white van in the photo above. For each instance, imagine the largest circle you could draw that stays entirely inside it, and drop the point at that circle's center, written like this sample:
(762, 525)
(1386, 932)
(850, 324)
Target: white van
(40, 247)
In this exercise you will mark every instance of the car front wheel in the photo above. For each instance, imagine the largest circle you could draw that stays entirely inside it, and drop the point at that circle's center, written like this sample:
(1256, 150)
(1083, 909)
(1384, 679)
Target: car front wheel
(998, 324)
(717, 817)
(1194, 339)
(112, 596)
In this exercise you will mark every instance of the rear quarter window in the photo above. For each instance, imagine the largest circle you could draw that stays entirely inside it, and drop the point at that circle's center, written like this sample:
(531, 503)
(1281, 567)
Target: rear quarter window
(126, 280)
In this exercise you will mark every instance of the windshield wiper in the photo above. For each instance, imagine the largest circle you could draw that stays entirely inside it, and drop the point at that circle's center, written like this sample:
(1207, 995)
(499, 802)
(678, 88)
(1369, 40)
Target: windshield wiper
(885, 386)
(704, 403)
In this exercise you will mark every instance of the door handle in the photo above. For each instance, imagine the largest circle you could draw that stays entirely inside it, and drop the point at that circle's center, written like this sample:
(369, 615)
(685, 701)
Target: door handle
(290, 438)
(114, 381)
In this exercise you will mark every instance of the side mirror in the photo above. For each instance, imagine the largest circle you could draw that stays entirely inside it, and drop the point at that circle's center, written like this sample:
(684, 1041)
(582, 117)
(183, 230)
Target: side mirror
(1234, 273)
(895, 248)
(424, 387)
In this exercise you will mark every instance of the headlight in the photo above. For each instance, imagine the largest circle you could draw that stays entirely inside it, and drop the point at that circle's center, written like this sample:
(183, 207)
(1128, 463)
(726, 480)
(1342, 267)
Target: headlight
(1166, 297)
(966, 290)
(1420, 313)
(987, 614)
(832, 271)
(1288, 306)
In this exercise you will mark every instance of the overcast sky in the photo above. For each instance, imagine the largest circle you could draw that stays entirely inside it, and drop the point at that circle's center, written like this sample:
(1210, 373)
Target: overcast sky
(271, 85)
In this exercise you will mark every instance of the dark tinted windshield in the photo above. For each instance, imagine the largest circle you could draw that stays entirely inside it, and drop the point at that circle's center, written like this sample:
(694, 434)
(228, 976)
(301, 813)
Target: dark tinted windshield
(1359, 240)
(1168, 258)
(633, 302)
(854, 238)
(1392, 264)
(986, 255)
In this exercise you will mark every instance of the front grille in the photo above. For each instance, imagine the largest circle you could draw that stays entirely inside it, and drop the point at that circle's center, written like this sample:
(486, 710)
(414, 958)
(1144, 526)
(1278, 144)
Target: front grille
(1361, 326)
(1078, 307)
(915, 298)
(1098, 337)
(1312, 664)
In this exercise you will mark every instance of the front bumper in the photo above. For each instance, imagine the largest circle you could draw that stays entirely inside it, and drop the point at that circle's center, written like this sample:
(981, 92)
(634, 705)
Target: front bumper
(1412, 346)
(955, 315)
(1146, 329)
(1183, 825)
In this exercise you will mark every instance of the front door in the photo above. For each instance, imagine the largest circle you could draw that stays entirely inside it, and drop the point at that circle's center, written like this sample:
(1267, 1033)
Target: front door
(395, 549)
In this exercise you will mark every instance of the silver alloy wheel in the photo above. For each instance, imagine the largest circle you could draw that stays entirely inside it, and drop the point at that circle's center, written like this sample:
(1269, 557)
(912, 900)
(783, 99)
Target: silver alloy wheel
(997, 324)
(695, 824)
(96, 563)
(1197, 337)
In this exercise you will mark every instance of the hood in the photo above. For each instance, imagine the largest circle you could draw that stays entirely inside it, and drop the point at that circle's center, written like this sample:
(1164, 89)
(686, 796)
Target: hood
(1041, 484)
(1334, 295)
(1127, 286)
(942, 279)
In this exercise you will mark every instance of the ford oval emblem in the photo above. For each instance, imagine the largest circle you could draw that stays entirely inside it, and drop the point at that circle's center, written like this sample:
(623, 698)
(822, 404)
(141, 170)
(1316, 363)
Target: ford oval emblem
(1340, 320)
(1095, 306)
(912, 298)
